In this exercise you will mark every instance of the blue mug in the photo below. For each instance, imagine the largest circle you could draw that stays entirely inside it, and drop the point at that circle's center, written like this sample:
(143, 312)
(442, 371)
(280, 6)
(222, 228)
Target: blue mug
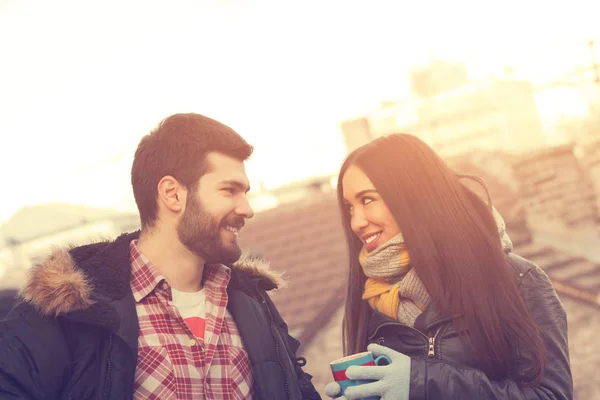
(339, 367)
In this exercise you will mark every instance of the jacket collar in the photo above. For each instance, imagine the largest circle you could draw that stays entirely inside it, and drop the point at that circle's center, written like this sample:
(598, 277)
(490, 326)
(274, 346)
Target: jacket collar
(87, 282)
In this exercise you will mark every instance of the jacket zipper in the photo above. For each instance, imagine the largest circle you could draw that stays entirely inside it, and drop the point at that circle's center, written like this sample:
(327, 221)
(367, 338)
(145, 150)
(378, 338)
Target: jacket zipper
(108, 368)
(380, 340)
(277, 349)
(431, 352)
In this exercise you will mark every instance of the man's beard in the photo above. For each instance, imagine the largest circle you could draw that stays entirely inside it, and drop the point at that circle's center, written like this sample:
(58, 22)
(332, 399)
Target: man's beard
(201, 234)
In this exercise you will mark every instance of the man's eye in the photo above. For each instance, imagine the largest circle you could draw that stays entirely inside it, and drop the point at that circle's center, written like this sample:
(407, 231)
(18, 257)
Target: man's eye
(366, 200)
(230, 190)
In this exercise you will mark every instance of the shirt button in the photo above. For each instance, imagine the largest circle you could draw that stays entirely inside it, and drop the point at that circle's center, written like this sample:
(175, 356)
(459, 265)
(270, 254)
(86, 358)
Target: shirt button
(165, 286)
(192, 342)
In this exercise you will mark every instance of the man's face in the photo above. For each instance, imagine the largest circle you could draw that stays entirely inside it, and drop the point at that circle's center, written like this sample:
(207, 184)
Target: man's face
(216, 211)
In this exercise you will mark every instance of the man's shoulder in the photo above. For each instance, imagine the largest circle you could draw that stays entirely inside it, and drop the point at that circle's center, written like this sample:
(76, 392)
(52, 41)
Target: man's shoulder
(25, 322)
(8, 299)
(34, 351)
(64, 281)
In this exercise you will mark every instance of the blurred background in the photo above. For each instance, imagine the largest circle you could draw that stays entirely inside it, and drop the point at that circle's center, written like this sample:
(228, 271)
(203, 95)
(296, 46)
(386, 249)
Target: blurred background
(508, 91)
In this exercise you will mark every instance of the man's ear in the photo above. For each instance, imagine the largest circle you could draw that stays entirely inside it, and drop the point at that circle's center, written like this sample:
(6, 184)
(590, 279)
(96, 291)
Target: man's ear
(171, 194)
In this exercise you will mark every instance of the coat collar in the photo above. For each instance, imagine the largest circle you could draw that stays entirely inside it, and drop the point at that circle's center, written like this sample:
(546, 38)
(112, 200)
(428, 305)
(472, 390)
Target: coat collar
(88, 278)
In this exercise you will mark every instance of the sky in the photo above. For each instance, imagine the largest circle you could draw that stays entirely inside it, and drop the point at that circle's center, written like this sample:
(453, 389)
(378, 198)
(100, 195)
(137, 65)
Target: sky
(81, 82)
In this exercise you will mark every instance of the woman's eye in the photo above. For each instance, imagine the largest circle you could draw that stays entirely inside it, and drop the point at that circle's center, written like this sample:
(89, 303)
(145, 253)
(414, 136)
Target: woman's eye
(366, 200)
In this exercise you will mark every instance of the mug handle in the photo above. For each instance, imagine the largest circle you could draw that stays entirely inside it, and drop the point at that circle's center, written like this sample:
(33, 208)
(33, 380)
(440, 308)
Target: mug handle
(383, 358)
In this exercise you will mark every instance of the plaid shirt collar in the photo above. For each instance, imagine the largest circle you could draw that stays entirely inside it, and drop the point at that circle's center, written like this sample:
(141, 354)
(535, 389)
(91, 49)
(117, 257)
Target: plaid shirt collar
(145, 277)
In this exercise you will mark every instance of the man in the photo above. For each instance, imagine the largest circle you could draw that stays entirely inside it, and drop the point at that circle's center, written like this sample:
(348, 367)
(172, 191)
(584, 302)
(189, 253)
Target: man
(161, 314)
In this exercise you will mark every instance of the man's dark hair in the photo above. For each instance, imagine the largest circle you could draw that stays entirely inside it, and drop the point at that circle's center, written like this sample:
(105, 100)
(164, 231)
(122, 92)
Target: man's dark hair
(178, 147)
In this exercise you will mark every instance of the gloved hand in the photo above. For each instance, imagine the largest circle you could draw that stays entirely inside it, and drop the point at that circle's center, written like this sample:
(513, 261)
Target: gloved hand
(392, 382)
(333, 389)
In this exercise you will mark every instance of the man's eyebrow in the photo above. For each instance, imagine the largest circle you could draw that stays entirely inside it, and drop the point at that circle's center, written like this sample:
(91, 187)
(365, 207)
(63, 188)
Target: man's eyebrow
(238, 184)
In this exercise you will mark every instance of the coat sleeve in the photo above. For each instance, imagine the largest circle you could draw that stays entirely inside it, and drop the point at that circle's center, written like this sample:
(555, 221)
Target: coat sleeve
(33, 356)
(304, 379)
(436, 379)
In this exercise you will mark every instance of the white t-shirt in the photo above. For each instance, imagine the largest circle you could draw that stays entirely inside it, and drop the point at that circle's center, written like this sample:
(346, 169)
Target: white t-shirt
(192, 307)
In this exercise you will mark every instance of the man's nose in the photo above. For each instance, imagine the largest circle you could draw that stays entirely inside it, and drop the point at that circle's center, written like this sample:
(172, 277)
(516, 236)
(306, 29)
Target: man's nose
(244, 208)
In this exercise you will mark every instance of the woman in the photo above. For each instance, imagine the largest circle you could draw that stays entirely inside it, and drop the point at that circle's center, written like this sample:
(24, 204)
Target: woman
(434, 286)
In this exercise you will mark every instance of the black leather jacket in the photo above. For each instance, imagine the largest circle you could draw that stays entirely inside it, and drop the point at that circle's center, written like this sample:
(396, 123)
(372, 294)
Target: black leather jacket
(443, 368)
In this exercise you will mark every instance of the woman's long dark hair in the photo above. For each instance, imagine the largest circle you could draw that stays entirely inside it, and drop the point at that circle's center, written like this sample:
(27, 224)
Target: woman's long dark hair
(454, 245)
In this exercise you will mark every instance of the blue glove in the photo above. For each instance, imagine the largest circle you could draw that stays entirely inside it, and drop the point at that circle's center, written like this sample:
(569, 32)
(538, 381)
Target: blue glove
(392, 382)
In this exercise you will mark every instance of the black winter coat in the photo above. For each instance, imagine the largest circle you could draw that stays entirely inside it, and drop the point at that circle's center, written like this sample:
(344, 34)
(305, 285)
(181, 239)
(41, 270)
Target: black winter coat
(443, 368)
(74, 335)
(7, 301)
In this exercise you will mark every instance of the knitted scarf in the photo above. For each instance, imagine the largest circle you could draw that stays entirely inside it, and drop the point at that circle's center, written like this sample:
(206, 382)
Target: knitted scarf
(393, 288)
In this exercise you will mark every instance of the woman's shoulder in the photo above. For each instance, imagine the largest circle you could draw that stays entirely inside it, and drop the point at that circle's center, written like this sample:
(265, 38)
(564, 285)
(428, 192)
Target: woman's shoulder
(531, 279)
(520, 265)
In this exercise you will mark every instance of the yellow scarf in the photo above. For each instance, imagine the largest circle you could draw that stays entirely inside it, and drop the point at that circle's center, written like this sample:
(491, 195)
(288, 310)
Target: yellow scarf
(382, 295)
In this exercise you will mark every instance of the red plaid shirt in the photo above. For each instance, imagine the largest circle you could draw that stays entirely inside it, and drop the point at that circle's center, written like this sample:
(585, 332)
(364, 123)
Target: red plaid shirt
(172, 362)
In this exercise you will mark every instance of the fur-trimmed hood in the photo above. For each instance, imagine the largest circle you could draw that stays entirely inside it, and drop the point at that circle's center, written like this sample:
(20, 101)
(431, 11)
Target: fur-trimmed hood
(76, 278)
(257, 267)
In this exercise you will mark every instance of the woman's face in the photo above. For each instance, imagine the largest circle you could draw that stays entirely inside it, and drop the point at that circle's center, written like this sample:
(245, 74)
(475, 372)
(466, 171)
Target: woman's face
(370, 219)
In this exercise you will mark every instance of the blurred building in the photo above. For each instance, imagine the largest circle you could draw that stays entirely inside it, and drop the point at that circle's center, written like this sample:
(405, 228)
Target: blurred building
(581, 129)
(35, 230)
(499, 114)
(561, 199)
(438, 76)
(589, 155)
(556, 189)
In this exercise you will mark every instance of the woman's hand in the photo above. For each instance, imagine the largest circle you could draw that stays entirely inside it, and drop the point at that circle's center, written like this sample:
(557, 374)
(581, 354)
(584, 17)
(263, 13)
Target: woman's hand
(392, 382)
